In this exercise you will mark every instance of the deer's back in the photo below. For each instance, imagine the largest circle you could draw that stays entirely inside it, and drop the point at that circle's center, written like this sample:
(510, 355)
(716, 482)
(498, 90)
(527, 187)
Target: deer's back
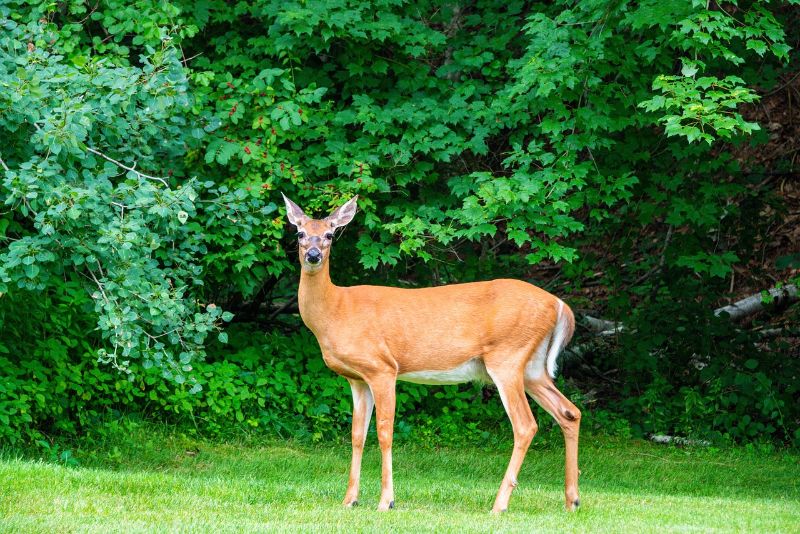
(438, 327)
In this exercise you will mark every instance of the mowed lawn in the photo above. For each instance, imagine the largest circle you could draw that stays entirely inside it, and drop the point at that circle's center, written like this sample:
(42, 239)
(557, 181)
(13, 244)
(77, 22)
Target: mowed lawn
(158, 482)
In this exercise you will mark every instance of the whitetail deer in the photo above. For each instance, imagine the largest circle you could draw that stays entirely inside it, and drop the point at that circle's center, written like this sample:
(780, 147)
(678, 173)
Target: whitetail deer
(503, 331)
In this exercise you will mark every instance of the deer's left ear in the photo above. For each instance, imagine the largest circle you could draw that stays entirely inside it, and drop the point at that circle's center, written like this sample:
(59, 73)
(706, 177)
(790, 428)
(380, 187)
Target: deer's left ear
(343, 214)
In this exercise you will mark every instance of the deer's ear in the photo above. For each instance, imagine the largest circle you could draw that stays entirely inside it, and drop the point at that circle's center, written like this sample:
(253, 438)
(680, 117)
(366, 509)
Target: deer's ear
(294, 213)
(343, 214)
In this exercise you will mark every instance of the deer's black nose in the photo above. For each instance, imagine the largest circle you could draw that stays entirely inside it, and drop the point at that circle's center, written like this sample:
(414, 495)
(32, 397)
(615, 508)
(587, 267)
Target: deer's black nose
(313, 255)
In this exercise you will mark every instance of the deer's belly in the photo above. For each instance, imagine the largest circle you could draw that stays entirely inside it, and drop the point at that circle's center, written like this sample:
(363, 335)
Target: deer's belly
(471, 371)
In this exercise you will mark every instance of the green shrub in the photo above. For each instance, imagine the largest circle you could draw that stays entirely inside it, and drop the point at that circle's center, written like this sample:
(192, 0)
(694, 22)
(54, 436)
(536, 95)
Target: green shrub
(144, 144)
(691, 373)
(273, 383)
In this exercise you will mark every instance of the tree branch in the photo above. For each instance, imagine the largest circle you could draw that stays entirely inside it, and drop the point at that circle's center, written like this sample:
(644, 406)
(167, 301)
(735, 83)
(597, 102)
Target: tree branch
(123, 166)
(99, 285)
(678, 440)
(755, 303)
(602, 327)
(289, 306)
(738, 310)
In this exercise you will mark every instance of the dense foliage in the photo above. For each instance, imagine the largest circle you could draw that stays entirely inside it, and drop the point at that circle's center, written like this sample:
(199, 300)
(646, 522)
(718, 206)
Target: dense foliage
(144, 144)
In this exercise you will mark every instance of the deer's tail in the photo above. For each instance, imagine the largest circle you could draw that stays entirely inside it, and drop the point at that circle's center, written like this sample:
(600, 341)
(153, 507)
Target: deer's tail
(562, 334)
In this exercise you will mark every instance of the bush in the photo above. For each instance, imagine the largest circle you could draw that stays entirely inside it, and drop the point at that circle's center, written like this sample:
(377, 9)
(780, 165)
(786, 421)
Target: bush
(273, 383)
(144, 145)
(691, 373)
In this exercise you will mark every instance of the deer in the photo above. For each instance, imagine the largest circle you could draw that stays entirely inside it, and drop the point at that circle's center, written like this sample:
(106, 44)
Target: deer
(507, 332)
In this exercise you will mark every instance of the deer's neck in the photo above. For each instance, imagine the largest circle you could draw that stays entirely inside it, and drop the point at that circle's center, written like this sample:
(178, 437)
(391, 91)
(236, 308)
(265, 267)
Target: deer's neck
(317, 298)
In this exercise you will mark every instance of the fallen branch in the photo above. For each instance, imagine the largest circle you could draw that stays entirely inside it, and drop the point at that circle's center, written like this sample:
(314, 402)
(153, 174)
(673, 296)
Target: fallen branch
(755, 303)
(677, 440)
(738, 310)
(602, 327)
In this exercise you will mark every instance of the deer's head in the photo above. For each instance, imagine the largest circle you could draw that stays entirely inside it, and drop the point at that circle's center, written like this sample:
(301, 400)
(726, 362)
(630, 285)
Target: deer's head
(315, 236)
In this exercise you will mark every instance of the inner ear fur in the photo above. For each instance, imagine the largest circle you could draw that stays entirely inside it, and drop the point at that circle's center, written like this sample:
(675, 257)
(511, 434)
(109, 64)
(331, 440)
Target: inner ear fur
(343, 214)
(295, 215)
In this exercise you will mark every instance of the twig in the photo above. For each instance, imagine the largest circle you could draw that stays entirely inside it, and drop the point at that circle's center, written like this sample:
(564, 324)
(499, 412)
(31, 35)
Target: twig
(5, 167)
(782, 86)
(188, 59)
(121, 209)
(660, 265)
(286, 305)
(123, 166)
(99, 285)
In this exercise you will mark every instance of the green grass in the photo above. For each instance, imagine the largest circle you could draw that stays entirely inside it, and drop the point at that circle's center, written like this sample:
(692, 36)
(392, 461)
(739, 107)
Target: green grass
(156, 482)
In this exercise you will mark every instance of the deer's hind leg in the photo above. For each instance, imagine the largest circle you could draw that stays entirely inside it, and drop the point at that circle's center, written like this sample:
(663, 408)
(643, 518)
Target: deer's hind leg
(568, 417)
(510, 385)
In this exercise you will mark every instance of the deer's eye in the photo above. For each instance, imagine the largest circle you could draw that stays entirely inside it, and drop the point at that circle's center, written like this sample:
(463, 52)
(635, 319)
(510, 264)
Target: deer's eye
(329, 236)
(301, 235)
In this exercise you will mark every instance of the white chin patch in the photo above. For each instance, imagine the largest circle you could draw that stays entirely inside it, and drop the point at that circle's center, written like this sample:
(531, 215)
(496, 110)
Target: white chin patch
(313, 267)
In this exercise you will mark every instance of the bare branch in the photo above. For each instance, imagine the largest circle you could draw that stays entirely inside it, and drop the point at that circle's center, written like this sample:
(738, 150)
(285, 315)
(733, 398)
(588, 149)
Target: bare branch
(3, 164)
(602, 327)
(678, 440)
(123, 166)
(290, 306)
(99, 285)
(755, 303)
(736, 311)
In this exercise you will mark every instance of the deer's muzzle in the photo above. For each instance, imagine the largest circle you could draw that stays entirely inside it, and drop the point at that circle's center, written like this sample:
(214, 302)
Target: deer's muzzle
(313, 255)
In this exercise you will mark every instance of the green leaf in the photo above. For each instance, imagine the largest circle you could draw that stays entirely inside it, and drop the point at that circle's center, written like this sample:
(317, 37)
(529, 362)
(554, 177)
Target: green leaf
(31, 270)
(758, 46)
(689, 68)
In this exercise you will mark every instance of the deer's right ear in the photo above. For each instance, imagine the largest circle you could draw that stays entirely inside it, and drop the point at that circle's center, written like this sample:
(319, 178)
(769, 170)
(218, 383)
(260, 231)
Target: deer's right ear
(294, 213)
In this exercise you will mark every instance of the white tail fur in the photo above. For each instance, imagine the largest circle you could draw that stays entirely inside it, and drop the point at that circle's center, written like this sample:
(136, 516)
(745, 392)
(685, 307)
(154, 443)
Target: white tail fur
(562, 334)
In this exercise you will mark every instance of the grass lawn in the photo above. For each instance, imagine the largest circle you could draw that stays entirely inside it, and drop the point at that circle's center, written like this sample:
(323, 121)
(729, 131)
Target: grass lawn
(162, 482)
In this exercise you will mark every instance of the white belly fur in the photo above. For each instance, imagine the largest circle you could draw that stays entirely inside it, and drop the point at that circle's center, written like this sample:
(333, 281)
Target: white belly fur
(470, 371)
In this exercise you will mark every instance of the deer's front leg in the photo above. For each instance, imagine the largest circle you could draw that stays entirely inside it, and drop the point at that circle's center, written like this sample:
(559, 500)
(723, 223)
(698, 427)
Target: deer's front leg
(383, 390)
(362, 411)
